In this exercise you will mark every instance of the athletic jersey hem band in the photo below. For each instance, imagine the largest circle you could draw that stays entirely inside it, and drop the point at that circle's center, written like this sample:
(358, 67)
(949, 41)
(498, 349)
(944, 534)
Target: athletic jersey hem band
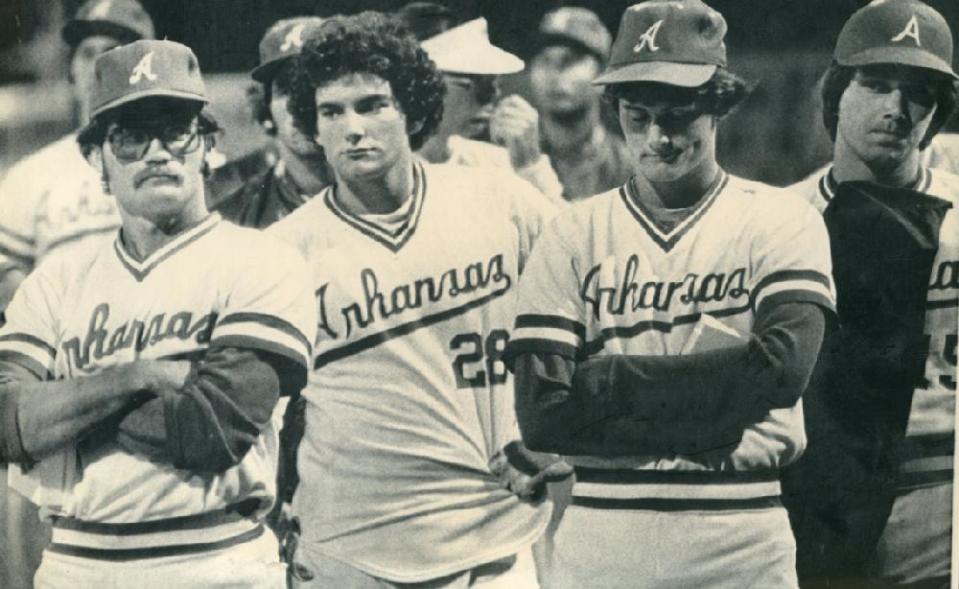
(422, 575)
(254, 531)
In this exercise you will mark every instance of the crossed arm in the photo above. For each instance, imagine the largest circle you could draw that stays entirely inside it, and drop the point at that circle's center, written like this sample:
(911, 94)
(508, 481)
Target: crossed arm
(201, 414)
(664, 405)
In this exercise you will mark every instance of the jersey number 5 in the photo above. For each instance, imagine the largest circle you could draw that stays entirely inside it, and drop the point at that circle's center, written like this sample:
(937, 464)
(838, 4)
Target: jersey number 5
(473, 348)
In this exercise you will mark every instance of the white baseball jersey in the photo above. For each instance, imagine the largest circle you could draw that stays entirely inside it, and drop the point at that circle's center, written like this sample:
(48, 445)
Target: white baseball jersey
(52, 200)
(606, 279)
(409, 398)
(76, 314)
(932, 417)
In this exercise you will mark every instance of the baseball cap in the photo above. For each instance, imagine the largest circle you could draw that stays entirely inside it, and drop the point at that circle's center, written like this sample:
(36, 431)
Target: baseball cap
(907, 32)
(667, 41)
(426, 19)
(282, 41)
(123, 19)
(466, 49)
(576, 25)
(145, 69)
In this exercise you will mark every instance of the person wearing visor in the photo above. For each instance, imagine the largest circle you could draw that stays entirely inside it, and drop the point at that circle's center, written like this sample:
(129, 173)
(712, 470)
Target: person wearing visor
(139, 377)
(473, 110)
(295, 168)
(666, 330)
(875, 488)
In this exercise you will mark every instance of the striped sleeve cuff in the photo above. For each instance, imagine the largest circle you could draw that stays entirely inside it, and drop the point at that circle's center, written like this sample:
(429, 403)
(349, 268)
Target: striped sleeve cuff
(263, 332)
(29, 352)
(546, 333)
(795, 286)
(15, 246)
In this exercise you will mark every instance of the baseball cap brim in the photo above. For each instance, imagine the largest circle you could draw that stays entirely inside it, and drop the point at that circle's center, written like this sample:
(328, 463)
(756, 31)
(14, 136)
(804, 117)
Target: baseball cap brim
(901, 56)
(150, 93)
(78, 30)
(688, 75)
(265, 72)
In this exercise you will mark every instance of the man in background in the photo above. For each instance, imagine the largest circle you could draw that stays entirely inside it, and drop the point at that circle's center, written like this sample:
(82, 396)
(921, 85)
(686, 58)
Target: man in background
(872, 496)
(295, 169)
(52, 199)
(479, 128)
(571, 51)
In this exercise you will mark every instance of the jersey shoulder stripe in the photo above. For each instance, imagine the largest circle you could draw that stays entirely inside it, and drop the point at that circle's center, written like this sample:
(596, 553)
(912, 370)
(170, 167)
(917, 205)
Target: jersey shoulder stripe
(262, 331)
(547, 333)
(28, 351)
(794, 286)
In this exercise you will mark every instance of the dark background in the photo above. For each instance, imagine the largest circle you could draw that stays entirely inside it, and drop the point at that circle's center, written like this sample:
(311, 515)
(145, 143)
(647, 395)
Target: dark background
(780, 45)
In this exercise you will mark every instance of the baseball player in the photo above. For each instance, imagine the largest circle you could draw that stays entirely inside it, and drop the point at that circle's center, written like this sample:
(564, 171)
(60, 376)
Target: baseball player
(299, 170)
(140, 375)
(53, 199)
(410, 472)
(473, 109)
(666, 330)
(888, 91)
(571, 48)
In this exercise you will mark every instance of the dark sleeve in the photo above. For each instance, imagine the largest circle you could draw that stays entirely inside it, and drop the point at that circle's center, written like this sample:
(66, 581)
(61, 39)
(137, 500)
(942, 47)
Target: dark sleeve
(211, 423)
(621, 405)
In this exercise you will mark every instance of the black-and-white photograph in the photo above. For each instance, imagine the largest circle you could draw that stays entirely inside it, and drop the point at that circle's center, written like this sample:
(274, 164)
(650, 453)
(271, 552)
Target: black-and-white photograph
(492, 294)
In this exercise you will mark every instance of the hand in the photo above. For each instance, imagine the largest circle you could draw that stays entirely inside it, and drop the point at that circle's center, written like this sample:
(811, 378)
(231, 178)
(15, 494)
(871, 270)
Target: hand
(514, 125)
(162, 374)
(525, 473)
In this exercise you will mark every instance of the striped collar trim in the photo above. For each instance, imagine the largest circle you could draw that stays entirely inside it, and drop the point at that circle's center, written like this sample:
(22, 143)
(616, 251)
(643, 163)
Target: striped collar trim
(828, 183)
(667, 240)
(394, 239)
(140, 269)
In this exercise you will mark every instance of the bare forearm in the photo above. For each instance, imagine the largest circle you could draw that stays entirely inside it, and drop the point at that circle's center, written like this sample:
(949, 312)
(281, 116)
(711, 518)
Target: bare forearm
(53, 413)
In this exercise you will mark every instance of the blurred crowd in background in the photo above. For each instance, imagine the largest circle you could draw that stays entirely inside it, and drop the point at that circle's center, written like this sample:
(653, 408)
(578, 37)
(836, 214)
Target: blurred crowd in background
(780, 45)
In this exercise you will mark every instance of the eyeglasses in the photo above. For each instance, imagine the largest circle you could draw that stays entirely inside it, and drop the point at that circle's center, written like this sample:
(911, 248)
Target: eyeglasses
(484, 88)
(131, 144)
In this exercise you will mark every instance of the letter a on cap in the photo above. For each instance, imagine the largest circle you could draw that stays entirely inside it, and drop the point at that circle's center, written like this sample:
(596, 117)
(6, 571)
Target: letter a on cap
(144, 69)
(648, 39)
(911, 30)
(293, 39)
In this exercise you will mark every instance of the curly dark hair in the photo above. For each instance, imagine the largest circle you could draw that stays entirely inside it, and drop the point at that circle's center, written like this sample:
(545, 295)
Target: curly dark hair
(837, 77)
(370, 43)
(718, 96)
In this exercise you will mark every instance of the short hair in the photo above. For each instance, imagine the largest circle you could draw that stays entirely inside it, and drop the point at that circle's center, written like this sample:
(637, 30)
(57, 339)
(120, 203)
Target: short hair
(95, 133)
(261, 95)
(717, 96)
(837, 77)
(370, 43)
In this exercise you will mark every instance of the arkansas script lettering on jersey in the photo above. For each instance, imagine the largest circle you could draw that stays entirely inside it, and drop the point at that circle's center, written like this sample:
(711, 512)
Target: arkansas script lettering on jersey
(214, 284)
